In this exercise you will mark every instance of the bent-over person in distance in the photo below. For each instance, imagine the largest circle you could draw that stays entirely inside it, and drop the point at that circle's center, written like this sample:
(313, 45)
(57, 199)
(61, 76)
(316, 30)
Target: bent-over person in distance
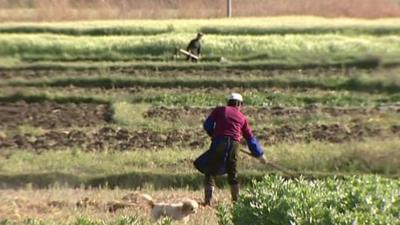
(194, 47)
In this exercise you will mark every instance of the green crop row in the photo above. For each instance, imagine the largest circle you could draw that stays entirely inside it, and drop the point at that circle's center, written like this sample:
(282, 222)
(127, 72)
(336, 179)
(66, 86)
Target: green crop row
(354, 200)
(238, 26)
(323, 49)
(267, 99)
(203, 98)
(284, 30)
(220, 30)
(90, 31)
(360, 83)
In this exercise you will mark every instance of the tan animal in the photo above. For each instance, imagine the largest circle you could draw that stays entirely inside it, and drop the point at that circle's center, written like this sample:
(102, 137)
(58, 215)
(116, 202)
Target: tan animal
(133, 197)
(176, 211)
(115, 205)
(3, 136)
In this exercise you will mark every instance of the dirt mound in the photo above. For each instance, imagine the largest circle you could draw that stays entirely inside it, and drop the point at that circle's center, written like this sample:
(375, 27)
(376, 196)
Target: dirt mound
(50, 115)
(40, 73)
(334, 133)
(106, 138)
(122, 139)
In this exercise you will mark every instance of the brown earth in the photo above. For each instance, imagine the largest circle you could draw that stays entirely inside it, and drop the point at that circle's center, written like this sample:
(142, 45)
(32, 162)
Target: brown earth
(50, 115)
(122, 139)
(105, 138)
(62, 205)
(37, 73)
(61, 125)
(6, 74)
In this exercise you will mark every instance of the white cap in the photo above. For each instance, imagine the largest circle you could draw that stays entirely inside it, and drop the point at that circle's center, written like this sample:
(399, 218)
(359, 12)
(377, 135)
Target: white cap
(235, 96)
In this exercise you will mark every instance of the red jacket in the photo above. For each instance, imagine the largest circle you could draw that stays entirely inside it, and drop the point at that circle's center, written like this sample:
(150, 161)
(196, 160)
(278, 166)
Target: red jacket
(229, 121)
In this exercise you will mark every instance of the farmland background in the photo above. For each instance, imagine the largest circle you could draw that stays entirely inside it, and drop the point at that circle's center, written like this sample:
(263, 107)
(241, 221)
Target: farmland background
(95, 104)
(55, 10)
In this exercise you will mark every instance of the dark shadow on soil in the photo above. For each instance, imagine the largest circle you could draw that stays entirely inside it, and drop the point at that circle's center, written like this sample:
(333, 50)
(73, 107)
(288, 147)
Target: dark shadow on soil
(39, 180)
(138, 180)
(134, 180)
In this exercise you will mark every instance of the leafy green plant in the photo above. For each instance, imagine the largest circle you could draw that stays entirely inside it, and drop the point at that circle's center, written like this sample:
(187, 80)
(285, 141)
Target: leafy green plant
(121, 221)
(128, 221)
(6, 222)
(34, 222)
(165, 221)
(360, 200)
(224, 214)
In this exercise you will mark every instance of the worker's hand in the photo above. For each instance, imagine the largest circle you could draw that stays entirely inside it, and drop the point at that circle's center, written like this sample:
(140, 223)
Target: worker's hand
(262, 159)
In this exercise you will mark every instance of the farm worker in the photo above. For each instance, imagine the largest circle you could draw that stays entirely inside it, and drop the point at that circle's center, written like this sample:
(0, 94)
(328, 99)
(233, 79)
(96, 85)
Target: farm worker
(226, 125)
(194, 47)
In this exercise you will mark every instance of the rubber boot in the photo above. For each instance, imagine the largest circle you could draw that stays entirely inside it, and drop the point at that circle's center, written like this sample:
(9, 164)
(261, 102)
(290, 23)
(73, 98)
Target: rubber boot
(235, 192)
(208, 194)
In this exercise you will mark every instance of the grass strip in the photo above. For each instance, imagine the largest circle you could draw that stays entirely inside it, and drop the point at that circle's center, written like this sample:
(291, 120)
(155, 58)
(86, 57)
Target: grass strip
(277, 24)
(175, 97)
(89, 31)
(164, 168)
(355, 83)
(46, 97)
(287, 29)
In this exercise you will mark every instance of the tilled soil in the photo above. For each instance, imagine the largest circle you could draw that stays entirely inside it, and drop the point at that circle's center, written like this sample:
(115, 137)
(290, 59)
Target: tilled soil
(105, 138)
(108, 138)
(131, 71)
(50, 115)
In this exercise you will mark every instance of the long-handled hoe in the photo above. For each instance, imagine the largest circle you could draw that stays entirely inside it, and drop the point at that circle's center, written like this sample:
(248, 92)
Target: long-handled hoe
(285, 171)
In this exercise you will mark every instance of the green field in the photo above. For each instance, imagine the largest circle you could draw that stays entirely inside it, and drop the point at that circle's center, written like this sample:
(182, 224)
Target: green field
(100, 109)
(316, 41)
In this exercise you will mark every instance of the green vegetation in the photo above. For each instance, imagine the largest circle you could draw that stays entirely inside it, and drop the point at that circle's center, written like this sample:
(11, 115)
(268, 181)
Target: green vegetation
(54, 98)
(367, 84)
(173, 97)
(289, 24)
(143, 28)
(361, 200)
(98, 30)
(173, 167)
(315, 42)
(289, 48)
(268, 99)
(316, 30)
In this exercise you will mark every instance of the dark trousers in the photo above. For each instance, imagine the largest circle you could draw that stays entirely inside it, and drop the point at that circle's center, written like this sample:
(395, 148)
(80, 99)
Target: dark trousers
(232, 148)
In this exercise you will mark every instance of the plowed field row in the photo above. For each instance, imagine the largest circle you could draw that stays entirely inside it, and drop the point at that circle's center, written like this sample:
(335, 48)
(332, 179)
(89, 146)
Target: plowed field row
(116, 140)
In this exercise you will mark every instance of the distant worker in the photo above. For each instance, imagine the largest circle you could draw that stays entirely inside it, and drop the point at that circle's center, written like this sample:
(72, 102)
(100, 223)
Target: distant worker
(194, 48)
(226, 125)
